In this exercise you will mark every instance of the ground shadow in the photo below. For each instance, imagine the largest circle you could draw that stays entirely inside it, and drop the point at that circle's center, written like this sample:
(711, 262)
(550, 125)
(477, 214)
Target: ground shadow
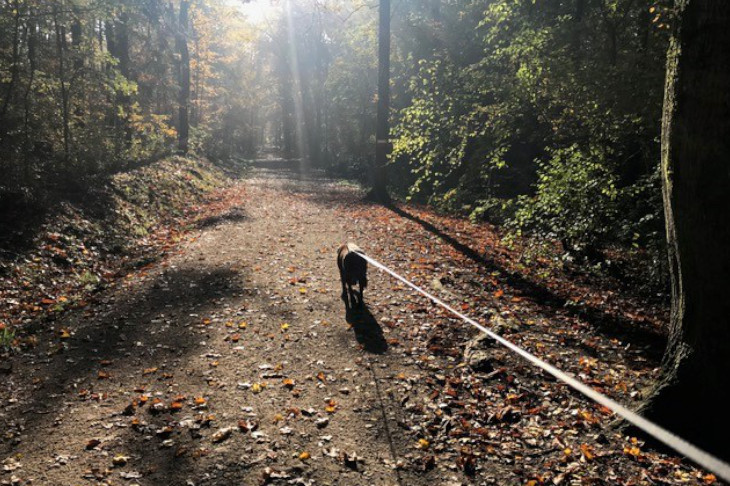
(323, 191)
(367, 330)
(158, 317)
(233, 215)
(293, 165)
(22, 220)
(611, 325)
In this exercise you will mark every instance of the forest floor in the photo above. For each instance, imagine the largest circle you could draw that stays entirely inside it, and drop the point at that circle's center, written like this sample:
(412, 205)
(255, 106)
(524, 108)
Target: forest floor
(233, 360)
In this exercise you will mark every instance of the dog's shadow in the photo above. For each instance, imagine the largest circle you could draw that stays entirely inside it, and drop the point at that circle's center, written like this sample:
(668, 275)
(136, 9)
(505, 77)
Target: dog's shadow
(367, 330)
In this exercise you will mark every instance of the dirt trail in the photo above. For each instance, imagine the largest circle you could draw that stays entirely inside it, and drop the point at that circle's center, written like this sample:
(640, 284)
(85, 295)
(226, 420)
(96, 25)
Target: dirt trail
(243, 326)
(234, 361)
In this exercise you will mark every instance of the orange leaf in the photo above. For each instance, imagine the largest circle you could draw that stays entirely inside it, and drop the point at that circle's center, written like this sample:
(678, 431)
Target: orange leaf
(587, 452)
(632, 451)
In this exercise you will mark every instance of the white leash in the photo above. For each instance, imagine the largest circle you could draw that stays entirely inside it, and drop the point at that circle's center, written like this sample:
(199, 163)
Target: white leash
(700, 457)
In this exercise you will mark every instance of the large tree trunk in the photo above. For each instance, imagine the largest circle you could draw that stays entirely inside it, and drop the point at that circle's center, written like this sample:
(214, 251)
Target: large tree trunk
(183, 129)
(693, 394)
(382, 132)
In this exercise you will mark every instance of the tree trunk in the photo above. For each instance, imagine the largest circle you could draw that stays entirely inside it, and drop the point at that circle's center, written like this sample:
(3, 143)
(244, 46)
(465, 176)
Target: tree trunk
(15, 61)
(76, 38)
(693, 393)
(121, 42)
(382, 132)
(33, 42)
(577, 38)
(61, 51)
(195, 112)
(643, 24)
(183, 130)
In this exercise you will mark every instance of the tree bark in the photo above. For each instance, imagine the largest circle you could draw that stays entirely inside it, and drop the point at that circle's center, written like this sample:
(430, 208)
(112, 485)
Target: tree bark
(15, 61)
(121, 43)
(33, 42)
(692, 395)
(577, 38)
(60, 31)
(183, 130)
(76, 38)
(382, 132)
(643, 24)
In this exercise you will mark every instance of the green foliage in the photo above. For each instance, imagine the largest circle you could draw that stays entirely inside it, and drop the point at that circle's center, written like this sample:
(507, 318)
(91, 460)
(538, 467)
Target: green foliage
(93, 86)
(544, 115)
(7, 338)
(575, 200)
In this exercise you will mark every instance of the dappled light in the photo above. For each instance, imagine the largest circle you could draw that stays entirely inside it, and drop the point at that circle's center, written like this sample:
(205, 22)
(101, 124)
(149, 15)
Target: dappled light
(349, 242)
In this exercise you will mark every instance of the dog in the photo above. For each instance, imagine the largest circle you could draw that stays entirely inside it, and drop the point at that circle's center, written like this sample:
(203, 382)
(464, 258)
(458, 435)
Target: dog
(353, 270)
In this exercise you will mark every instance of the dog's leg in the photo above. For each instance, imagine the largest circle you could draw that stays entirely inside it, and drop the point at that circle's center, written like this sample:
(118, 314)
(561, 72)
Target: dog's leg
(344, 289)
(351, 294)
(361, 302)
(343, 296)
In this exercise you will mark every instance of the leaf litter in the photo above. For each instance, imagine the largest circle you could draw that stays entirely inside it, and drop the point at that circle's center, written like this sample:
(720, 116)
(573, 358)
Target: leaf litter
(402, 390)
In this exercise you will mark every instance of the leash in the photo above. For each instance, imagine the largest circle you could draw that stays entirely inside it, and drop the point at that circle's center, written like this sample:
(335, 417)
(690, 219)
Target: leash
(699, 456)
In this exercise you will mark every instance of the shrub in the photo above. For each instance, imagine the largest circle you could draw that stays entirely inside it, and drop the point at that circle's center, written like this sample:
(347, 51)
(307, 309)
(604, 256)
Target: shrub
(574, 201)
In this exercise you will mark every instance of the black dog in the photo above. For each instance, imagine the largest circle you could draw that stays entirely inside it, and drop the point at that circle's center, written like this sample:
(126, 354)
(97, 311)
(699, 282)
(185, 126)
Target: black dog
(353, 270)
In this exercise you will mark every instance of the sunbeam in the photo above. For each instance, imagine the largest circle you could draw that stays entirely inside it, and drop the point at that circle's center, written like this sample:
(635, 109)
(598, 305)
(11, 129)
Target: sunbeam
(295, 69)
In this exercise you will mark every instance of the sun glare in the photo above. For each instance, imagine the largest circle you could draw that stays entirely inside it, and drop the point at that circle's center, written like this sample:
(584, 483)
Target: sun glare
(259, 11)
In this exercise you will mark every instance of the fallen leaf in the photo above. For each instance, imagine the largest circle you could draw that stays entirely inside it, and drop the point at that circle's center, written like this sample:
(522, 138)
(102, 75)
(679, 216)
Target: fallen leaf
(93, 443)
(120, 460)
(221, 435)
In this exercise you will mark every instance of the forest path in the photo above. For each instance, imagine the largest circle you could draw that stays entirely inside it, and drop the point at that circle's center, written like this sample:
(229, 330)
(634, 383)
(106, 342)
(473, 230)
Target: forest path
(234, 361)
(241, 331)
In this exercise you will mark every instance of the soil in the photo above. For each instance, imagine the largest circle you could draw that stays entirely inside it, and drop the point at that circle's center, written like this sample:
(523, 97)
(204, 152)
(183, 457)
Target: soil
(234, 361)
